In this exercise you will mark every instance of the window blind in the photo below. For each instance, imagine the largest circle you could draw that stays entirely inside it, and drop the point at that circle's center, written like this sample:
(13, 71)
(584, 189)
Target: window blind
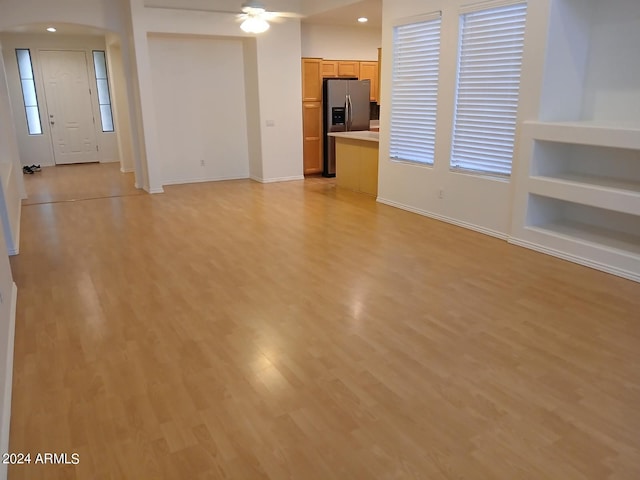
(489, 67)
(414, 90)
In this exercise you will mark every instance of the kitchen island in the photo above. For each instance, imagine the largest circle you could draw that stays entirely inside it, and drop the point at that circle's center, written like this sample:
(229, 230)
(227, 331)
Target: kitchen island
(357, 161)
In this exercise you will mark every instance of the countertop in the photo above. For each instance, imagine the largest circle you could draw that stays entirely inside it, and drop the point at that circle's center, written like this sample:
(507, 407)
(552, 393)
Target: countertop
(365, 135)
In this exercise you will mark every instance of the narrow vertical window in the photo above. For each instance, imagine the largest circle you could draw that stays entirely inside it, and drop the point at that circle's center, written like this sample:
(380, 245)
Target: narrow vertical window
(414, 90)
(489, 66)
(102, 83)
(29, 97)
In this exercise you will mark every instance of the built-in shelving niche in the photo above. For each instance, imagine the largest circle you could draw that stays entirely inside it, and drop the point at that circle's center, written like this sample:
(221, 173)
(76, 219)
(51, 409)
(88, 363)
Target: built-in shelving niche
(592, 64)
(578, 188)
(598, 176)
(599, 227)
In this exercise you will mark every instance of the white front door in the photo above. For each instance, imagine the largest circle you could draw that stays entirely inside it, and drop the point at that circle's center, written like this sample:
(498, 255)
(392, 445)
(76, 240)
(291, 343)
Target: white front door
(68, 97)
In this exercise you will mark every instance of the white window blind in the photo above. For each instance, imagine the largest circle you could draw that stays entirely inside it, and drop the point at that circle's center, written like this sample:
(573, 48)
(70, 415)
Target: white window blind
(489, 66)
(414, 90)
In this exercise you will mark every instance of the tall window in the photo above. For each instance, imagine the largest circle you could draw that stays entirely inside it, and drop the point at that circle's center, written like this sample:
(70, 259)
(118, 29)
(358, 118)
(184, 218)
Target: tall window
(29, 97)
(414, 89)
(489, 66)
(104, 98)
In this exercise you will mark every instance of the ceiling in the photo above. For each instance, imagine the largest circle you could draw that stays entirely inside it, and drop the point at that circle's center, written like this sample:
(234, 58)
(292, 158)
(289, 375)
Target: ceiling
(63, 29)
(348, 15)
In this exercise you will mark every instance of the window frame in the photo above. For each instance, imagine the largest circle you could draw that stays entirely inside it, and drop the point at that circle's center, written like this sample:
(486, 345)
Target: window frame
(398, 149)
(35, 93)
(480, 169)
(108, 92)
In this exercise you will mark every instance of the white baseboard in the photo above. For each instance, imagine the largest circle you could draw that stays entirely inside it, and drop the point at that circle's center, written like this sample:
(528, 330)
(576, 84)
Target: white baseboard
(183, 181)
(5, 419)
(148, 189)
(442, 218)
(126, 170)
(277, 179)
(576, 259)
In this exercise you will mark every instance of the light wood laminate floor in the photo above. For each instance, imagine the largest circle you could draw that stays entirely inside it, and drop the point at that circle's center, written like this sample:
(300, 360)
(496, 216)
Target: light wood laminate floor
(236, 330)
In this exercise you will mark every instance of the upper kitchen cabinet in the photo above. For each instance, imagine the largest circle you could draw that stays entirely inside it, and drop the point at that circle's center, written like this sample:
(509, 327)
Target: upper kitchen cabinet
(311, 80)
(341, 68)
(329, 68)
(369, 71)
(349, 69)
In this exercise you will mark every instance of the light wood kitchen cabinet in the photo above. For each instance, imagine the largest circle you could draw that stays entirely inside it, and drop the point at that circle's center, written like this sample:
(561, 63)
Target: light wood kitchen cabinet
(349, 68)
(340, 68)
(311, 80)
(312, 137)
(369, 71)
(329, 68)
(379, 74)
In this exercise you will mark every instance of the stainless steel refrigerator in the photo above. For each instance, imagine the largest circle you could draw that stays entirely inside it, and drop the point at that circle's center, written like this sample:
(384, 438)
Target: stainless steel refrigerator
(345, 108)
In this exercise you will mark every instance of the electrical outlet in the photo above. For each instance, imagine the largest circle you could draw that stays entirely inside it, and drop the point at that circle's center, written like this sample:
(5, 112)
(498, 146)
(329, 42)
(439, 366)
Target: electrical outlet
(441, 193)
(202, 162)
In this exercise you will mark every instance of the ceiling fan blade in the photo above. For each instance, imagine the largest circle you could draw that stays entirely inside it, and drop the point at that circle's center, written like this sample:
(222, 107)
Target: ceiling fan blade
(287, 14)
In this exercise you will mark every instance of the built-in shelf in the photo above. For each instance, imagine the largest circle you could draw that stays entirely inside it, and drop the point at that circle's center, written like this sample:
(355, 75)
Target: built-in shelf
(604, 134)
(585, 223)
(577, 188)
(606, 177)
(622, 186)
(625, 243)
(600, 192)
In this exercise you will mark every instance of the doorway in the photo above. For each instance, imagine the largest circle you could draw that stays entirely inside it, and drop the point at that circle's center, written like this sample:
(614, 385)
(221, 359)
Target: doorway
(69, 107)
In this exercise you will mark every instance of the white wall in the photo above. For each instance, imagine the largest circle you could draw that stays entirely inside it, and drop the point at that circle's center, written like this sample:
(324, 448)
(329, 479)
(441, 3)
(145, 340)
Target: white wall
(38, 148)
(120, 104)
(612, 85)
(199, 96)
(252, 95)
(8, 293)
(280, 90)
(10, 187)
(278, 82)
(479, 202)
(335, 42)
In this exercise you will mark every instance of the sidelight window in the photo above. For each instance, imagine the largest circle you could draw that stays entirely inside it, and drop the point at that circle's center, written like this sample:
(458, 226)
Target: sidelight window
(488, 88)
(104, 98)
(29, 97)
(414, 89)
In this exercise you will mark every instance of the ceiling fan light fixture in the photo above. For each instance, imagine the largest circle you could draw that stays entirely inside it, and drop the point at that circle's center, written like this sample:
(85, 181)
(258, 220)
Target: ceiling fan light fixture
(254, 24)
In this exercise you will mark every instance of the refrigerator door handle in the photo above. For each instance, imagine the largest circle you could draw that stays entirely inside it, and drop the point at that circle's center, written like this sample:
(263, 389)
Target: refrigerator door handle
(349, 113)
(346, 112)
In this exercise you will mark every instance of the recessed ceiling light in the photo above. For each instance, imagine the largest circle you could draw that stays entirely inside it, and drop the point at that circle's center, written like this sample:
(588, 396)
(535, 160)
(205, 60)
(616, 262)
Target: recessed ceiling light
(51, 29)
(363, 19)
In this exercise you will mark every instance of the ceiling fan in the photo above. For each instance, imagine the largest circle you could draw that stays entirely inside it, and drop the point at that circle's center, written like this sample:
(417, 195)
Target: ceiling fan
(255, 17)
